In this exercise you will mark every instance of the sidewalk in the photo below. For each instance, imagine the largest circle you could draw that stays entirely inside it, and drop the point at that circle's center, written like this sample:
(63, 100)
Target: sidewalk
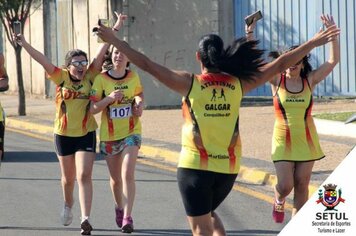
(161, 135)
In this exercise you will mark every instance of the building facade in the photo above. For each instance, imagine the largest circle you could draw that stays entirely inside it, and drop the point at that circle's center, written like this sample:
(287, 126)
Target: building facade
(168, 32)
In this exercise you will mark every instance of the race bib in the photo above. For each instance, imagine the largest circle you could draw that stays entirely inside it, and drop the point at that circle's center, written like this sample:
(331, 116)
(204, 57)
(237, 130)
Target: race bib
(120, 112)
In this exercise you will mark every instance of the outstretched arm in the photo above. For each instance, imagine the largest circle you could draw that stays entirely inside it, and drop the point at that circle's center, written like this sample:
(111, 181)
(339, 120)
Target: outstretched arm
(35, 54)
(178, 81)
(291, 58)
(320, 74)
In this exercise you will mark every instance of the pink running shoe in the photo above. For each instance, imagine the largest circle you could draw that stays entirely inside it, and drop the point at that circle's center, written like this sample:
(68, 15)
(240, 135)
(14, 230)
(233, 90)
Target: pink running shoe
(278, 212)
(119, 216)
(127, 225)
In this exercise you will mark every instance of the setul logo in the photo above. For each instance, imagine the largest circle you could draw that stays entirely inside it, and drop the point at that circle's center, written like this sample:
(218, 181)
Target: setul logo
(330, 198)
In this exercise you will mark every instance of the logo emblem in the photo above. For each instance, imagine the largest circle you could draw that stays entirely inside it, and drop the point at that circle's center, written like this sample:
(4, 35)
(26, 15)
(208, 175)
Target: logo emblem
(330, 197)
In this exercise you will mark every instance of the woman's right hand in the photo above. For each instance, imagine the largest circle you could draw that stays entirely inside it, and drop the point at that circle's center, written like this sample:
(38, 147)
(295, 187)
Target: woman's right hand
(19, 39)
(250, 28)
(116, 96)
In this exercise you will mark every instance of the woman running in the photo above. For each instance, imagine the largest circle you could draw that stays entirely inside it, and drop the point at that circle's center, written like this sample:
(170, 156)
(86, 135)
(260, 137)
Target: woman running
(211, 150)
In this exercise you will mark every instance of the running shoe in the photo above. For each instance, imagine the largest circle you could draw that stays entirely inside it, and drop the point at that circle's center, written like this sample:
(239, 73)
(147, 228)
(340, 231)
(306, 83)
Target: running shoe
(278, 212)
(127, 225)
(86, 227)
(119, 216)
(66, 215)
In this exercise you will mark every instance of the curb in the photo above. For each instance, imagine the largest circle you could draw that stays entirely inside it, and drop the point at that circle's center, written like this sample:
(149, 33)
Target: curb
(335, 128)
(246, 174)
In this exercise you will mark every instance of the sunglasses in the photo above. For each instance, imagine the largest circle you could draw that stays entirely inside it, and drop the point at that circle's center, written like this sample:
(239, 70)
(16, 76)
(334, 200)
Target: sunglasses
(79, 63)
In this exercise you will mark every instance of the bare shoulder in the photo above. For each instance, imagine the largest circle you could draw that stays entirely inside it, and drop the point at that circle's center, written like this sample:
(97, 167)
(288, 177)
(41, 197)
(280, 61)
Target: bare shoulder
(183, 73)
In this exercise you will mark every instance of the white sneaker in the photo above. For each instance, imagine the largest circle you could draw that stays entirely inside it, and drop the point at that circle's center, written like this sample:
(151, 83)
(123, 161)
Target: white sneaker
(66, 216)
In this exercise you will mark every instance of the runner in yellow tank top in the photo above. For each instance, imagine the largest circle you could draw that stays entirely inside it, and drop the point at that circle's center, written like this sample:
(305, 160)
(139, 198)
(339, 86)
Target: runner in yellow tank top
(117, 121)
(73, 118)
(4, 85)
(294, 137)
(203, 189)
(295, 144)
(117, 93)
(74, 132)
(210, 106)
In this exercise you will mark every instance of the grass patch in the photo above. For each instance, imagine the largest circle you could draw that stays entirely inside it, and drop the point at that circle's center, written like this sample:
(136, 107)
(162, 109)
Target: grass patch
(342, 116)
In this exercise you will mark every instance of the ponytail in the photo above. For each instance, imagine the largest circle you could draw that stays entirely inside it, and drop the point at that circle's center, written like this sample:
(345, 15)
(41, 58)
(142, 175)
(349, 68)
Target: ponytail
(241, 59)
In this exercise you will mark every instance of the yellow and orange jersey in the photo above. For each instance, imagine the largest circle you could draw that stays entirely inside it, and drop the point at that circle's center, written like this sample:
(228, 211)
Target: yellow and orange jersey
(73, 118)
(294, 137)
(210, 134)
(117, 121)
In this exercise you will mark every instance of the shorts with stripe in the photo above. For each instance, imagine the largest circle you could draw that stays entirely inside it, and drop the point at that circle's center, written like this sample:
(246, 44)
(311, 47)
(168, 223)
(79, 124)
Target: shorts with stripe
(65, 145)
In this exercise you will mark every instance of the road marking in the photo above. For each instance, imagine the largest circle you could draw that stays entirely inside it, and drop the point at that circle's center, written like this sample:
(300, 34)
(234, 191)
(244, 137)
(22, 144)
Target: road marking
(33, 135)
(236, 187)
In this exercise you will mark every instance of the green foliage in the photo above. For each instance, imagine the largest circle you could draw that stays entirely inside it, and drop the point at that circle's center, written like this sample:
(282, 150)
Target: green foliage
(341, 116)
(15, 10)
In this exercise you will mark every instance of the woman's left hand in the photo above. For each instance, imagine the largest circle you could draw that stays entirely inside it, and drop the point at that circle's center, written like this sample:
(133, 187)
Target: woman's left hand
(137, 108)
(120, 20)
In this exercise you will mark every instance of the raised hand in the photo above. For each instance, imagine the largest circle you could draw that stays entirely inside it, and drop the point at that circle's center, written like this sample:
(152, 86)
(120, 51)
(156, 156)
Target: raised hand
(120, 20)
(327, 35)
(106, 34)
(327, 20)
(251, 27)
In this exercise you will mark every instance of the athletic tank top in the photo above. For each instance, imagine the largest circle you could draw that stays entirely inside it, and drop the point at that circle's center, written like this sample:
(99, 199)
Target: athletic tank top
(294, 137)
(210, 134)
(117, 121)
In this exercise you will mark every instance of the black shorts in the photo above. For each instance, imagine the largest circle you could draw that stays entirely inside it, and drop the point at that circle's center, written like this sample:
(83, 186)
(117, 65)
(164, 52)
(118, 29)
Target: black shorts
(2, 134)
(65, 145)
(203, 191)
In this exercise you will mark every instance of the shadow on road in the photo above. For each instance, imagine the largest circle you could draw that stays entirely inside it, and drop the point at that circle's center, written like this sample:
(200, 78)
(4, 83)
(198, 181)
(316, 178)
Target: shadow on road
(30, 157)
(170, 232)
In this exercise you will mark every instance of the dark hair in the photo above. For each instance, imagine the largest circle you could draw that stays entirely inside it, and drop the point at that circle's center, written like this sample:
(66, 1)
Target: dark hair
(107, 64)
(73, 53)
(307, 68)
(241, 59)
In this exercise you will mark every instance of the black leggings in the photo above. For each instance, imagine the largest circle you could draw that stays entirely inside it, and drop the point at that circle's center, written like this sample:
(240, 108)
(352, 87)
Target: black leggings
(203, 191)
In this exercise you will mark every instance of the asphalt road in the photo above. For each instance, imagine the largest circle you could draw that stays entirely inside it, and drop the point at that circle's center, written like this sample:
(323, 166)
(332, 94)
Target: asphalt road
(31, 198)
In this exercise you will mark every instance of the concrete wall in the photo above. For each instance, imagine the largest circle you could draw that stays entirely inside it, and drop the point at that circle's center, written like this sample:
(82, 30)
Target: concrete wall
(166, 31)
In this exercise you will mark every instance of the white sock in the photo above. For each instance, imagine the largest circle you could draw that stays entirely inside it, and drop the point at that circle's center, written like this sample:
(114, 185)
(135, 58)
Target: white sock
(84, 218)
(279, 202)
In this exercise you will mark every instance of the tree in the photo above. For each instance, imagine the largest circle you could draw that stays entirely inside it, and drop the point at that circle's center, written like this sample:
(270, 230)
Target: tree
(17, 11)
